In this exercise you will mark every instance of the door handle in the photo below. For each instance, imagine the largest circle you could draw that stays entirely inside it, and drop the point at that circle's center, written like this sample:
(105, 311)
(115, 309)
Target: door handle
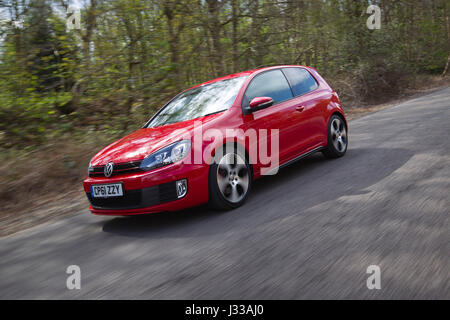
(299, 108)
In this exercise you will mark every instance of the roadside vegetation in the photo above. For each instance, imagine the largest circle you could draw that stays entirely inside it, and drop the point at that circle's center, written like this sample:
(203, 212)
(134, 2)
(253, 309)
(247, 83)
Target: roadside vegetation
(64, 93)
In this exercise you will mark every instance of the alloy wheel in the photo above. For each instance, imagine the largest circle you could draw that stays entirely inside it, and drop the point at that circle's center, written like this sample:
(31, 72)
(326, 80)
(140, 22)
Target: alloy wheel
(233, 177)
(338, 134)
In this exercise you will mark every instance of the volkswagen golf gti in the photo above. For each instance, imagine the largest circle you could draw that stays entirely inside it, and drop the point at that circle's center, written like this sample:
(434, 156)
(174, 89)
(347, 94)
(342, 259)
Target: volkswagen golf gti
(210, 142)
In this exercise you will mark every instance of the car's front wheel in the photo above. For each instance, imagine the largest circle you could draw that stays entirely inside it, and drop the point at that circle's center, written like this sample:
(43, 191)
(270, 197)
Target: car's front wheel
(337, 138)
(230, 179)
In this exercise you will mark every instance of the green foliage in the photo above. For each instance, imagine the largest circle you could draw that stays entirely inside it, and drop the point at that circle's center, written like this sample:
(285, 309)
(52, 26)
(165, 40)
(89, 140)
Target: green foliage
(131, 56)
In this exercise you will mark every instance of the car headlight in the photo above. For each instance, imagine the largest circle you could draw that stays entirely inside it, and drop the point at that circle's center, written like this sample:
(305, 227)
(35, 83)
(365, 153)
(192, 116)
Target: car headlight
(167, 155)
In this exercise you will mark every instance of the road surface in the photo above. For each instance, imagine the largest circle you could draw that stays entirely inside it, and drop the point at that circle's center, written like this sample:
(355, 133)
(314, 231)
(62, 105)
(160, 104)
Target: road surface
(309, 232)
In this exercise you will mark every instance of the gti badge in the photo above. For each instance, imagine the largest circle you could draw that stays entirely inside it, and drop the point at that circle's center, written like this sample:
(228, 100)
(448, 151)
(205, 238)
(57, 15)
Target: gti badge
(109, 169)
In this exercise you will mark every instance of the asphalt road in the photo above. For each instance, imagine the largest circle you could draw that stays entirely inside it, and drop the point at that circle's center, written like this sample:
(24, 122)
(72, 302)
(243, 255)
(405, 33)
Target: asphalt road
(309, 232)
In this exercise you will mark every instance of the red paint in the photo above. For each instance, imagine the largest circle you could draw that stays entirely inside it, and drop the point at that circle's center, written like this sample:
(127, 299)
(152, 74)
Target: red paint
(259, 101)
(302, 122)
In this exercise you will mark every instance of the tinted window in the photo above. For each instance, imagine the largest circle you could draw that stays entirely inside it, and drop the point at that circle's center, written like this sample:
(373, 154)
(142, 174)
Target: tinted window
(269, 84)
(200, 101)
(301, 80)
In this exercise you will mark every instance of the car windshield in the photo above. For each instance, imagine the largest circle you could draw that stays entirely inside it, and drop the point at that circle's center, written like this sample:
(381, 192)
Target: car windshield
(198, 102)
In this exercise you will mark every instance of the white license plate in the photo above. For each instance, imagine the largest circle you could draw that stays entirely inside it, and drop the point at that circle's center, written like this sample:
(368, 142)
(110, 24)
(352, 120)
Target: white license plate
(106, 190)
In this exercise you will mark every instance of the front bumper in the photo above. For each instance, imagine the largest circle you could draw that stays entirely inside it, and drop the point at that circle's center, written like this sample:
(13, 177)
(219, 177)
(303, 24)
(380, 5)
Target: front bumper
(152, 191)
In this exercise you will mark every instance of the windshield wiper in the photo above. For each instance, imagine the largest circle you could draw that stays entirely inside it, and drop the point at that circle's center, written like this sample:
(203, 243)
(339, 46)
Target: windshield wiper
(208, 114)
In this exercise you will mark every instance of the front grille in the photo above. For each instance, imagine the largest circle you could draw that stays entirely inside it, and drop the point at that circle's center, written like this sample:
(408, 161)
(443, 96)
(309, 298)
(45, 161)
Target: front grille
(119, 168)
(140, 198)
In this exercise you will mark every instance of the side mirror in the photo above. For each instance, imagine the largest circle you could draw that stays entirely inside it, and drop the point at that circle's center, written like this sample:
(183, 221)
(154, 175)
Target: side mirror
(259, 103)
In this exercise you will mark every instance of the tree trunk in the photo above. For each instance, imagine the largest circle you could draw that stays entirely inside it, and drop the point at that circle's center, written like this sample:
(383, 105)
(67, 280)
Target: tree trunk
(446, 67)
(173, 43)
(215, 27)
(234, 10)
(90, 23)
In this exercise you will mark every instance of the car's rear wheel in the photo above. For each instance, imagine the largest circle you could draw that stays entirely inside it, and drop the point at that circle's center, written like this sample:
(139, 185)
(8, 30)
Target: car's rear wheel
(337, 138)
(230, 179)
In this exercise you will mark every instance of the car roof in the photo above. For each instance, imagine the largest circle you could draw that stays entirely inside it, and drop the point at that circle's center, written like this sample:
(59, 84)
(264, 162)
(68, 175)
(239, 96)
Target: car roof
(244, 73)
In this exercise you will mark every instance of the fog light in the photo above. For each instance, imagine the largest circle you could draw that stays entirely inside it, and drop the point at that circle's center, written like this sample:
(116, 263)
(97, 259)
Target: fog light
(181, 188)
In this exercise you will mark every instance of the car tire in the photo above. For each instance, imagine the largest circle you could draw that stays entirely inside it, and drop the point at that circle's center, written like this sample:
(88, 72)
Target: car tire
(337, 140)
(229, 183)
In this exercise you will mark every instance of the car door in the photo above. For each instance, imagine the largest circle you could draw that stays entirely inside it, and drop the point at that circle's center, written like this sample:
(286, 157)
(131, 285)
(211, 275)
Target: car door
(274, 84)
(308, 106)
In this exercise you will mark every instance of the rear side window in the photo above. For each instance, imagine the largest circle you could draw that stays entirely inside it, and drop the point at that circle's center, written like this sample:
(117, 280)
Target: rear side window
(301, 80)
(268, 84)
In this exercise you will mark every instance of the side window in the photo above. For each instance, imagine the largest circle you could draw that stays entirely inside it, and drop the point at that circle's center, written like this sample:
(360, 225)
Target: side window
(301, 80)
(268, 84)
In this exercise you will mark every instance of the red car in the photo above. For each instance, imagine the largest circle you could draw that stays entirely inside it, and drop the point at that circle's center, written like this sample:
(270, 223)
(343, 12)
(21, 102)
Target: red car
(210, 142)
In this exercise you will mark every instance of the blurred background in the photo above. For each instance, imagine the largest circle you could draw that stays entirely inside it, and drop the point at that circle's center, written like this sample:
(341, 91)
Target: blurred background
(67, 92)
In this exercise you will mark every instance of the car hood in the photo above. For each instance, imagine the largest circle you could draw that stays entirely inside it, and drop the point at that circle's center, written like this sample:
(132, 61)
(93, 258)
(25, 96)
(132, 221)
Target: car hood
(143, 142)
